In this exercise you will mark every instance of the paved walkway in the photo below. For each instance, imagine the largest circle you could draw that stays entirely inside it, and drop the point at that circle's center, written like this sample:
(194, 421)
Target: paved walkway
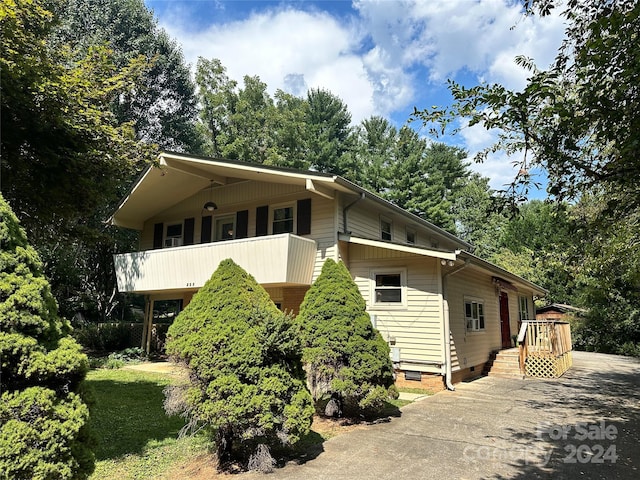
(584, 425)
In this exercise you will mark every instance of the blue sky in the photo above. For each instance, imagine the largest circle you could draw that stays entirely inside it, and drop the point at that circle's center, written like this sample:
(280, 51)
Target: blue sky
(381, 57)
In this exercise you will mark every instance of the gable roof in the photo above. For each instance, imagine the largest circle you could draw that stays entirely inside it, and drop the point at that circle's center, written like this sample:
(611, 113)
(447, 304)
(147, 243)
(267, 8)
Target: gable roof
(178, 176)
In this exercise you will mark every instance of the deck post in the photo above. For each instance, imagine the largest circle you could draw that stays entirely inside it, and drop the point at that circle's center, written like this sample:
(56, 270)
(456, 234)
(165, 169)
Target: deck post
(147, 323)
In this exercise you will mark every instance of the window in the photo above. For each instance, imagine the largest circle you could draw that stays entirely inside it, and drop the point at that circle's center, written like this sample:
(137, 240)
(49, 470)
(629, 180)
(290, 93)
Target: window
(282, 220)
(411, 236)
(474, 314)
(388, 288)
(385, 229)
(523, 309)
(225, 228)
(173, 237)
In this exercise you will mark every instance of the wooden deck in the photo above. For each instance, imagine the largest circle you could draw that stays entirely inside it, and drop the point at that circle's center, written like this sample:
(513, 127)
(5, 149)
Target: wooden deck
(545, 348)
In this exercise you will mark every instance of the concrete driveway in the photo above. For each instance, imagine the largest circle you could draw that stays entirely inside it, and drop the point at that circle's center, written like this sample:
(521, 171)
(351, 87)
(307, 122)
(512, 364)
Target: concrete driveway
(584, 425)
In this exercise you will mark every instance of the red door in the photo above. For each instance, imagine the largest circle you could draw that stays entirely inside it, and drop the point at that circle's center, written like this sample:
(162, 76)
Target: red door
(504, 320)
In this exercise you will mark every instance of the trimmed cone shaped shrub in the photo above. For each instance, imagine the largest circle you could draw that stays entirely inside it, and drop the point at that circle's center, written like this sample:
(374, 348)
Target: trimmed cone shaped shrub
(246, 379)
(43, 419)
(344, 356)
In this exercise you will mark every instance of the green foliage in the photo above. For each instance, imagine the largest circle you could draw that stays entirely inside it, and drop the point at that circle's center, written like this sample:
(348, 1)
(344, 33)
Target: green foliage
(43, 419)
(343, 354)
(578, 119)
(163, 108)
(63, 150)
(106, 337)
(244, 359)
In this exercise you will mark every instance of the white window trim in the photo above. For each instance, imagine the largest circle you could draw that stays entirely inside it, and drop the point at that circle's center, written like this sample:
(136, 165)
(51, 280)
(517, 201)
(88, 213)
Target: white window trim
(520, 311)
(478, 300)
(402, 305)
(273, 208)
(390, 222)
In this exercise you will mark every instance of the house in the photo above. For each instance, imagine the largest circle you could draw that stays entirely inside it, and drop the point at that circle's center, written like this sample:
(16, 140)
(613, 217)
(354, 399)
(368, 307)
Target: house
(441, 309)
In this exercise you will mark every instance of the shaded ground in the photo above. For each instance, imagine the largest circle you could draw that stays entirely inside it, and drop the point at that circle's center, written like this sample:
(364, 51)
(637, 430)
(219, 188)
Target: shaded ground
(583, 425)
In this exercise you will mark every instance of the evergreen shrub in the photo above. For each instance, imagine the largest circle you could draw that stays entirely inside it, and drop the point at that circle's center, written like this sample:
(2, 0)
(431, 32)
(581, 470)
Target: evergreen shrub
(43, 418)
(246, 380)
(344, 356)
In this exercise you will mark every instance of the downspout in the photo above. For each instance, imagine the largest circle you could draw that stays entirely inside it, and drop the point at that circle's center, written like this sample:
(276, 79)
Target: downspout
(345, 209)
(447, 325)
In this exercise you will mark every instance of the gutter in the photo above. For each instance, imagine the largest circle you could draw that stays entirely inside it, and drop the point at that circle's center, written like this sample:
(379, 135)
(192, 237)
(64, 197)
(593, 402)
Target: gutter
(447, 324)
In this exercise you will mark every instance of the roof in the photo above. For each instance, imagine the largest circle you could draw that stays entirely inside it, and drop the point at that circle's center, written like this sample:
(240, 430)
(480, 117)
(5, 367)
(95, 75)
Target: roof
(501, 275)
(560, 307)
(179, 176)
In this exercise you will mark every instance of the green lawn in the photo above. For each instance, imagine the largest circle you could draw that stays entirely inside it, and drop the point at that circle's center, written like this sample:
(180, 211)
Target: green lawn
(136, 439)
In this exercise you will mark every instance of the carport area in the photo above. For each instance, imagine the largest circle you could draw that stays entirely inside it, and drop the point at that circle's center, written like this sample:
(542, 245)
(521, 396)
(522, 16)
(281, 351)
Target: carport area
(585, 424)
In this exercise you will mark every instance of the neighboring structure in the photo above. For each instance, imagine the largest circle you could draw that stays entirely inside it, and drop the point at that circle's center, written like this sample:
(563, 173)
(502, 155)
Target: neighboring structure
(442, 309)
(559, 311)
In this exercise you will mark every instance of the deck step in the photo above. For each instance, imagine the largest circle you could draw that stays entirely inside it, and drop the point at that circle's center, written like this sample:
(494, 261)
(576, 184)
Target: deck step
(505, 363)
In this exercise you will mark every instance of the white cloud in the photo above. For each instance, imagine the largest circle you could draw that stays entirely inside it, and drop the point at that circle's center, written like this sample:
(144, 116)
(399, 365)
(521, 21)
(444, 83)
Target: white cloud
(380, 59)
(280, 45)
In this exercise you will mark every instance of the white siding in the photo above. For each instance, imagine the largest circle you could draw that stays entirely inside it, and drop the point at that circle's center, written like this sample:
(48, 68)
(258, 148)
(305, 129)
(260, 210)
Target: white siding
(417, 328)
(363, 220)
(249, 195)
(473, 348)
(275, 259)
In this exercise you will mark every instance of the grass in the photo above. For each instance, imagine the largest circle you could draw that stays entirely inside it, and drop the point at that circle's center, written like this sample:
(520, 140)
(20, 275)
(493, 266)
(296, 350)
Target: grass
(135, 438)
(423, 391)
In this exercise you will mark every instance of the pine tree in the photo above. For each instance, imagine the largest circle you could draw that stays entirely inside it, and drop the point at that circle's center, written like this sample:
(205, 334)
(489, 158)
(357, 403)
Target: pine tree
(43, 419)
(344, 356)
(246, 378)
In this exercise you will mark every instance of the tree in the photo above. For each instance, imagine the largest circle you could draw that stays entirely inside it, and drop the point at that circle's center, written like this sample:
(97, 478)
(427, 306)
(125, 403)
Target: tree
(344, 356)
(163, 108)
(249, 133)
(328, 122)
(64, 153)
(538, 245)
(608, 280)
(427, 180)
(476, 218)
(43, 418)
(244, 365)
(216, 92)
(374, 151)
(578, 119)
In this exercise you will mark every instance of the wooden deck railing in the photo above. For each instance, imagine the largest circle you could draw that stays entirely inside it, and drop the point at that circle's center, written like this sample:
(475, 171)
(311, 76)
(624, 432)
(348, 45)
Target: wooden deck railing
(545, 347)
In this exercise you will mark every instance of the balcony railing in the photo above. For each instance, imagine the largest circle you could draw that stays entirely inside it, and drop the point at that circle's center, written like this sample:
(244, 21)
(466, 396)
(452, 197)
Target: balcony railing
(274, 259)
(545, 348)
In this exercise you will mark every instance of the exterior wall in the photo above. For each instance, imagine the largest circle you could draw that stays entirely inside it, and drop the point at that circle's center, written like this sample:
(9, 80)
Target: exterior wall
(415, 328)
(288, 298)
(473, 348)
(248, 196)
(363, 220)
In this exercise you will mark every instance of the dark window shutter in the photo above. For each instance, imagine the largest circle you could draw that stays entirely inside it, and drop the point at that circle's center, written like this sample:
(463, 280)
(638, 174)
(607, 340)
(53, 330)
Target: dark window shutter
(242, 224)
(189, 224)
(205, 231)
(158, 231)
(262, 221)
(304, 216)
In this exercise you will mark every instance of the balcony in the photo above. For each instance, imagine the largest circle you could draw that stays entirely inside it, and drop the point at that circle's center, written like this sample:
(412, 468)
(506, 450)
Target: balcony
(276, 259)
